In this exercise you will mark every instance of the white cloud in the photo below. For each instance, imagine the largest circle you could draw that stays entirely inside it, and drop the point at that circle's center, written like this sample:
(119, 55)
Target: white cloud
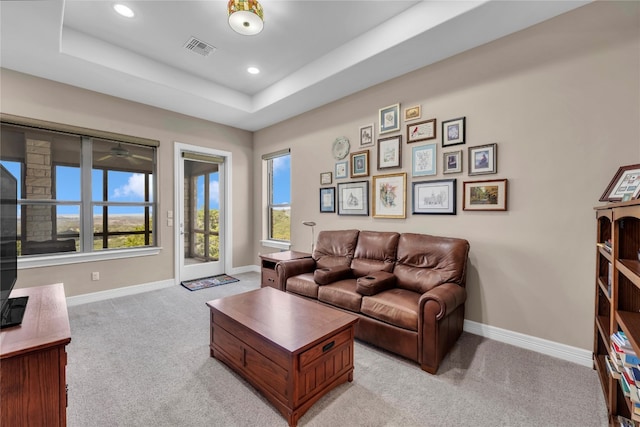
(214, 192)
(281, 163)
(134, 187)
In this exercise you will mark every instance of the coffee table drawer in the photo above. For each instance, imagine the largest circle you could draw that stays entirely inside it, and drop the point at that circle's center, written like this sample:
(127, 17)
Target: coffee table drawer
(250, 361)
(324, 347)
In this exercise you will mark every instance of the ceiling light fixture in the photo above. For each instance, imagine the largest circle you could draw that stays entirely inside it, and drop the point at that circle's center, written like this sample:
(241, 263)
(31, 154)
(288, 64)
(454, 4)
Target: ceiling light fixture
(245, 16)
(124, 10)
(253, 70)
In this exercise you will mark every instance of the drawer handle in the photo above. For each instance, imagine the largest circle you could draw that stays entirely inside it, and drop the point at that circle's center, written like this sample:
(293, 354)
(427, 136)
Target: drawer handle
(327, 347)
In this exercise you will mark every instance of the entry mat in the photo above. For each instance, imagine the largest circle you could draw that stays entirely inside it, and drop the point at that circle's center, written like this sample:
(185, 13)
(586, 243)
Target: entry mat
(208, 282)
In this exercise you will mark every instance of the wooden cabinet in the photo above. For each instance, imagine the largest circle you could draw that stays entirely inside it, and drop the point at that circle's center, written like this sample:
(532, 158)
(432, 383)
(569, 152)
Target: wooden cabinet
(268, 266)
(617, 296)
(33, 361)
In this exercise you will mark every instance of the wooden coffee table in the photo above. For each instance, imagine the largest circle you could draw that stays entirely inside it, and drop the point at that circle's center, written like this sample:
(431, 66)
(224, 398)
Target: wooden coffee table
(291, 349)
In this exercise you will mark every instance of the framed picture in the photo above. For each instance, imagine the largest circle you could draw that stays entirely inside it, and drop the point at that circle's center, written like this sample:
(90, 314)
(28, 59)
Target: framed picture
(389, 195)
(328, 199)
(412, 113)
(353, 198)
(435, 197)
(452, 162)
(390, 152)
(389, 119)
(483, 159)
(325, 178)
(423, 160)
(453, 131)
(342, 170)
(624, 186)
(490, 195)
(366, 135)
(421, 131)
(360, 164)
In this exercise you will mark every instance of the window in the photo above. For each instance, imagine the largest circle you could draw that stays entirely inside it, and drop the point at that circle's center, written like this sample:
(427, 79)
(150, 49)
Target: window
(79, 193)
(279, 195)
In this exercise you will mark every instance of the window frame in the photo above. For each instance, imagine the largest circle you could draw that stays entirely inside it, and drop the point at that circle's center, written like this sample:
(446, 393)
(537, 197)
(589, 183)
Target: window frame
(86, 251)
(270, 206)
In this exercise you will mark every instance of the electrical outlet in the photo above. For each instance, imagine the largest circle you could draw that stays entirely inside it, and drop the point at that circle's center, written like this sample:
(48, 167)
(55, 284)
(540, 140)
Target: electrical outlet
(95, 275)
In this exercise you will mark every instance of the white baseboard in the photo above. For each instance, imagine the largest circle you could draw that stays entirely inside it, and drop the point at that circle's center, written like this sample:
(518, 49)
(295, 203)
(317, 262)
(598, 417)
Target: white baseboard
(138, 289)
(245, 269)
(550, 348)
(118, 292)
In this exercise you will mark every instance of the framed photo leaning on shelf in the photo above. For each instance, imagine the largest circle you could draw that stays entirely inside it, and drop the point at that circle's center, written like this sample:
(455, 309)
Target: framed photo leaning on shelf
(624, 186)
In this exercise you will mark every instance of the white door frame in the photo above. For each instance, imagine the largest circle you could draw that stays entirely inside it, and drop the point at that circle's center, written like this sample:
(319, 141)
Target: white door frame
(225, 213)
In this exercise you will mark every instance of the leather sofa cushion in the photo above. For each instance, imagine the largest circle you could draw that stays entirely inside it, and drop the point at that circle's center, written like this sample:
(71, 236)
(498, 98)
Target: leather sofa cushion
(425, 262)
(326, 275)
(375, 251)
(374, 283)
(398, 307)
(335, 248)
(341, 294)
(303, 284)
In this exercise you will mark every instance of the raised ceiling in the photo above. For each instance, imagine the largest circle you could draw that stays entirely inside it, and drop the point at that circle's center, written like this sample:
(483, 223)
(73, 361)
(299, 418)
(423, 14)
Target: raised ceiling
(309, 53)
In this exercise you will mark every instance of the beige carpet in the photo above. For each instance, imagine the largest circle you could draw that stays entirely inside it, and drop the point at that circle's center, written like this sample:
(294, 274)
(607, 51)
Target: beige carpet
(144, 361)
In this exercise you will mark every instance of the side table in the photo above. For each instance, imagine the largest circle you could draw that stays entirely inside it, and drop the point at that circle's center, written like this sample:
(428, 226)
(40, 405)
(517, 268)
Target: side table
(268, 265)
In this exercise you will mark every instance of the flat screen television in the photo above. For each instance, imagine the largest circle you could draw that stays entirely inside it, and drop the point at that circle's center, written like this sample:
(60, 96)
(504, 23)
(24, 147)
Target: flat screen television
(11, 309)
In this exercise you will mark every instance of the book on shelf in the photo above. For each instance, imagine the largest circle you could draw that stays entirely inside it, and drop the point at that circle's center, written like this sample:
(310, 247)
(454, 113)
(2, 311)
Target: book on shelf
(629, 387)
(627, 357)
(621, 340)
(612, 367)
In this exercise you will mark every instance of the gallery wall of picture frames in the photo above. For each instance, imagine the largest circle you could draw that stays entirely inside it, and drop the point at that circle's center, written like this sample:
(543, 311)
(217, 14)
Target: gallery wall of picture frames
(389, 192)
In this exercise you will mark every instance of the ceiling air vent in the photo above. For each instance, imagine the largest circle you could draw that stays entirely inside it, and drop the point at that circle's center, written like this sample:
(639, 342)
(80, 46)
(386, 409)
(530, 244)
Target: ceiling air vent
(199, 47)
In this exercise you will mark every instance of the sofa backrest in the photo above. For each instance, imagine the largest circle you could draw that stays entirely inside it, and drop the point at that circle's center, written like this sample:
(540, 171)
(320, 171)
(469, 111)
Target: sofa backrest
(335, 248)
(375, 251)
(424, 261)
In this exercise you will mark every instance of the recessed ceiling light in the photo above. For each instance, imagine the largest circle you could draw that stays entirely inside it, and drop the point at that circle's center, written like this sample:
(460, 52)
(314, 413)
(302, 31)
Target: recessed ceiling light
(124, 10)
(253, 70)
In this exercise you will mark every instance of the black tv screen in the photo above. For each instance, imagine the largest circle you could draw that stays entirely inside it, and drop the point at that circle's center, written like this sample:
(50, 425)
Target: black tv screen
(8, 234)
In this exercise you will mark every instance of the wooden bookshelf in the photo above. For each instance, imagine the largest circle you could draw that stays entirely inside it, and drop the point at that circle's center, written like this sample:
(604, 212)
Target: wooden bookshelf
(617, 295)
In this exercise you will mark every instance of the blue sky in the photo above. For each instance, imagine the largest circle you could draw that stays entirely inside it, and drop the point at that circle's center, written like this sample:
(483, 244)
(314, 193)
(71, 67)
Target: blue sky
(129, 187)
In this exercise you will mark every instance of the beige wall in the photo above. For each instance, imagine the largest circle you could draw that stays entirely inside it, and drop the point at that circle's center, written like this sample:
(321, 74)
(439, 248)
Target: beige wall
(37, 98)
(562, 101)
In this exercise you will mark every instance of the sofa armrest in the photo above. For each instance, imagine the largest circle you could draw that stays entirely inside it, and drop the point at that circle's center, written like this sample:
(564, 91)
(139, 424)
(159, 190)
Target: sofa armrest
(293, 267)
(327, 275)
(375, 283)
(449, 296)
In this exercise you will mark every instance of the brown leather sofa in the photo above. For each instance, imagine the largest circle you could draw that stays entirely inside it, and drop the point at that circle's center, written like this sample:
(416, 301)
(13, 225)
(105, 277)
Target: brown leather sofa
(407, 289)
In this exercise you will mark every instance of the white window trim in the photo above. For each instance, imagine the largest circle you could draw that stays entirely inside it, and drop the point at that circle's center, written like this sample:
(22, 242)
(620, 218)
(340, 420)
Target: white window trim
(278, 244)
(80, 257)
